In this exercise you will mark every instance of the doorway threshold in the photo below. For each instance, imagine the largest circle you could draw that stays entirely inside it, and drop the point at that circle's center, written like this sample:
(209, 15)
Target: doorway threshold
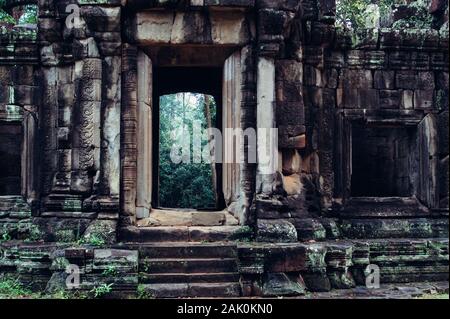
(188, 218)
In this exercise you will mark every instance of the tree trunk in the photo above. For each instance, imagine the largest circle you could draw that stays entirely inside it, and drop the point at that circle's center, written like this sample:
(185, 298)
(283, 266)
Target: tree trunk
(207, 109)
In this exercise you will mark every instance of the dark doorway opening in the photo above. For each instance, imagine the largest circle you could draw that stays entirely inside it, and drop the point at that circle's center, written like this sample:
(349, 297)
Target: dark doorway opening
(383, 161)
(10, 159)
(170, 84)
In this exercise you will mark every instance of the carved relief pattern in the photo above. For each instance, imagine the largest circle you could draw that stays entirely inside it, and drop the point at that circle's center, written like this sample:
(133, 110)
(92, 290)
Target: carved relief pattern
(129, 128)
(86, 135)
(48, 111)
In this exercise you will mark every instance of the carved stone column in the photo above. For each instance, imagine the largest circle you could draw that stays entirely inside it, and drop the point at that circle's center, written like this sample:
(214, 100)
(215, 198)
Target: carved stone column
(86, 144)
(128, 132)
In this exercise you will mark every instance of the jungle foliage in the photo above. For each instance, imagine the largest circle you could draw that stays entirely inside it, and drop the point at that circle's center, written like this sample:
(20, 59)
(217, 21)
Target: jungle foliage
(28, 14)
(353, 14)
(420, 20)
(184, 185)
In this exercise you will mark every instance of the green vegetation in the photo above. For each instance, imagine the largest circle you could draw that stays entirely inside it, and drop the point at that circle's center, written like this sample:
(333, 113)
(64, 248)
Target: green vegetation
(110, 271)
(5, 233)
(102, 290)
(29, 15)
(184, 185)
(65, 236)
(146, 266)
(93, 240)
(5, 237)
(142, 293)
(421, 20)
(243, 234)
(4, 16)
(34, 234)
(12, 288)
(352, 13)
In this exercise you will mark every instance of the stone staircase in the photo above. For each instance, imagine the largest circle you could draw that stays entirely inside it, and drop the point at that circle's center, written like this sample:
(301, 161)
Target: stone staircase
(178, 225)
(226, 269)
(185, 270)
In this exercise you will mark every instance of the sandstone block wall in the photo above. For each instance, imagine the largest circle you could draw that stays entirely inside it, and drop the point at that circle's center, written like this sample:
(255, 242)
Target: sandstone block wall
(74, 88)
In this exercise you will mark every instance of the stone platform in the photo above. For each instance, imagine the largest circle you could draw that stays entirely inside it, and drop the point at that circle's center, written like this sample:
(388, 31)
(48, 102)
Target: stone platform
(183, 233)
(232, 268)
(419, 290)
(187, 217)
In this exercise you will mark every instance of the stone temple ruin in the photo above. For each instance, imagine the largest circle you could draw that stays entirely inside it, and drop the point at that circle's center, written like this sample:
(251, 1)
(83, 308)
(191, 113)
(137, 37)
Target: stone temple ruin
(362, 171)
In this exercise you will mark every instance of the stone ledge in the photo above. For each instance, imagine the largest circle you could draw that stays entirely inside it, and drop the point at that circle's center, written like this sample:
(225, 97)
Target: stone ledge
(394, 228)
(383, 39)
(140, 5)
(383, 208)
(161, 27)
(183, 234)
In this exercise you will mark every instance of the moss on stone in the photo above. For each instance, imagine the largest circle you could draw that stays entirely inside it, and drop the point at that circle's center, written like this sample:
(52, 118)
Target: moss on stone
(65, 236)
(243, 234)
(100, 232)
(143, 293)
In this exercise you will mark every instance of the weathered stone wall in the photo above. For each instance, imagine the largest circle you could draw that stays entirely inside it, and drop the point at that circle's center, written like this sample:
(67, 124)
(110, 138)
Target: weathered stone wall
(19, 102)
(79, 92)
(299, 74)
(64, 88)
(285, 205)
(380, 77)
(80, 116)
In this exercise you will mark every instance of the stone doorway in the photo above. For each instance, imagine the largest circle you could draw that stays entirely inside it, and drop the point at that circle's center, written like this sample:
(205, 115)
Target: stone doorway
(214, 44)
(187, 179)
(10, 154)
(384, 161)
(169, 81)
(219, 77)
(386, 158)
(195, 83)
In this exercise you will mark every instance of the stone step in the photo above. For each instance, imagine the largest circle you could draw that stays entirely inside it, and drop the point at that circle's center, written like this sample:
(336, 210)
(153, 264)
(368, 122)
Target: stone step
(186, 250)
(168, 278)
(183, 290)
(191, 266)
(14, 203)
(390, 228)
(14, 207)
(13, 199)
(173, 217)
(183, 234)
